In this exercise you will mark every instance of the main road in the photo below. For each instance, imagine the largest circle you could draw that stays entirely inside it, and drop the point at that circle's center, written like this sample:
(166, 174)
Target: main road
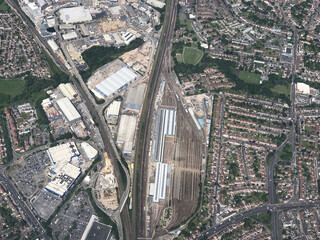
(262, 209)
(143, 140)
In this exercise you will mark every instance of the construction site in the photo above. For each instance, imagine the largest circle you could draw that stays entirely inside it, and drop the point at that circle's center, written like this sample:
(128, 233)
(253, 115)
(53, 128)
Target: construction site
(174, 166)
(105, 190)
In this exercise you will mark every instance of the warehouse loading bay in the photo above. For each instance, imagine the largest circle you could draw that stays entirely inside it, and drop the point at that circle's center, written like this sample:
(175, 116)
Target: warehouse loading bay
(174, 165)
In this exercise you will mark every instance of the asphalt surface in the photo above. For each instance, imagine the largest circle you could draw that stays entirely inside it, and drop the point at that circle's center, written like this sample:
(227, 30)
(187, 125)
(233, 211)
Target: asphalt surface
(139, 185)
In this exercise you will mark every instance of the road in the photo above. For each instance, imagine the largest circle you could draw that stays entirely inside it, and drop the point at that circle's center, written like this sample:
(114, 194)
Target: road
(142, 145)
(262, 209)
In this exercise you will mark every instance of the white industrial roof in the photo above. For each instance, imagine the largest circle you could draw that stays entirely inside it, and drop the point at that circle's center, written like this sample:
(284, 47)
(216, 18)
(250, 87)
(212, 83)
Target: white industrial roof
(70, 35)
(303, 88)
(64, 179)
(114, 108)
(89, 151)
(115, 10)
(68, 110)
(62, 154)
(67, 90)
(126, 132)
(75, 14)
(53, 45)
(166, 124)
(116, 81)
(160, 182)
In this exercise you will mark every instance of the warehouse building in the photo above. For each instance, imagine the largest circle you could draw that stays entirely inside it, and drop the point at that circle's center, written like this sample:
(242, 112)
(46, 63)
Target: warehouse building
(165, 126)
(302, 88)
(68, 91)
(126, 131)
(116, 82)
(68, 110)
(89, 152)
(135, 97)
(62, 154)
(69, 35)
(53, 45)
(63, 173)
(75, 14)
(159, 191)
(128, 37)
(113, 109)
(96, 230)
(63, 181)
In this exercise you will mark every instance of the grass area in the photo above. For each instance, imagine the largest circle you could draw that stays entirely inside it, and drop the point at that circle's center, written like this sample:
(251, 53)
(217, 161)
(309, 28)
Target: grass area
(191, 55)
(4, 7)
(248, 77)
(281, 89)
(179, 57)
(12, 87)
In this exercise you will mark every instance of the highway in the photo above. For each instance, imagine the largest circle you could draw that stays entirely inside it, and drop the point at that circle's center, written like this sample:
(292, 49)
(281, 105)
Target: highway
(142, 145)
(86, 96)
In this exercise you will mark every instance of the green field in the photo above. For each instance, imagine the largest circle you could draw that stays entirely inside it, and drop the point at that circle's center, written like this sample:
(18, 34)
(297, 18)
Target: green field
(281, 89)
(248, 77)
(4, 6)
(179, 57)
(12, 87)
(191, 55)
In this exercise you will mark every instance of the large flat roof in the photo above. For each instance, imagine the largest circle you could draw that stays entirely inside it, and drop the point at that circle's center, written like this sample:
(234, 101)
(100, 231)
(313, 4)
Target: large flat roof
(62, 154)
(96, 230)
(116, 81)
(68, 110)
(75, 14)
(126, 131)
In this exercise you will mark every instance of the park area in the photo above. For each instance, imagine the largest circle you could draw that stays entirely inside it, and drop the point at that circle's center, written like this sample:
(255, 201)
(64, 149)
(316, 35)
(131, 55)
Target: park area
(191, 55)
(248, 77)
(281, 89)
(11, 87)
(4, 7)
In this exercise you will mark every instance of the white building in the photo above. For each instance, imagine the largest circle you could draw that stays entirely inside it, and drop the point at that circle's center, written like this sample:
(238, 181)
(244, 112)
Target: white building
(75, 14)
(113, 109)
(90, 152)
(115, 82)
(165, 126)
(159, 190)
(69, 35)
(128, 37)
(53, 45)
(68, 91)
(63, 172)
(303, 88)
(126, 131)
(68, 110)
(63, 181)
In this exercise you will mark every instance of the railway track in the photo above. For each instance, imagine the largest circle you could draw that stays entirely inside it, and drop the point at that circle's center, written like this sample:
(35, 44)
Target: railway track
(142, 153)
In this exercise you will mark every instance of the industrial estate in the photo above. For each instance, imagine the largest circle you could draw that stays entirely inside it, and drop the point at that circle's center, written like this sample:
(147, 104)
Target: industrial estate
(154, 119)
